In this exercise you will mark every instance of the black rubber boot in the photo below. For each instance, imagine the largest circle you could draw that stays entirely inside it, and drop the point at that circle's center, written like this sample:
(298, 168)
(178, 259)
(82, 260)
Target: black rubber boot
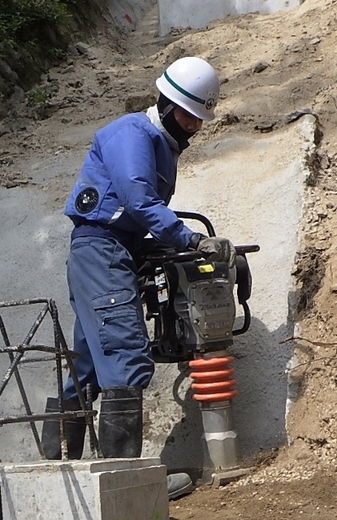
(178, 484)
(120, 429)
(74, 431)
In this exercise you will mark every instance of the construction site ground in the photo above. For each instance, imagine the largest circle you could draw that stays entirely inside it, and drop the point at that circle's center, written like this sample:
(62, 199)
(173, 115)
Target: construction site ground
(271, 68)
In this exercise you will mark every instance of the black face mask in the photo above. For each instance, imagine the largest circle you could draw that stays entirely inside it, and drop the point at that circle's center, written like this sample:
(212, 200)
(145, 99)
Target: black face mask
(169, 122)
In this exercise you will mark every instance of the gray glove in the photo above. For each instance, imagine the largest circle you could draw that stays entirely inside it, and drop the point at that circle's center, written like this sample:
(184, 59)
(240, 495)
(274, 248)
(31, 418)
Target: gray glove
(218, 249)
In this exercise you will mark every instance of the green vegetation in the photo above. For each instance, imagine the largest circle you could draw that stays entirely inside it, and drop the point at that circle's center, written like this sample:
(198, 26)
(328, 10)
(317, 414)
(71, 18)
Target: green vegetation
(28, 23)
(34, 35)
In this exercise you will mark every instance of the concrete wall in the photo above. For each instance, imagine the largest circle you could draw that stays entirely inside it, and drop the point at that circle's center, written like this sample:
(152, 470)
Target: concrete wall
(250, 205)
(253, 191)
(126, 13)
(196, 14)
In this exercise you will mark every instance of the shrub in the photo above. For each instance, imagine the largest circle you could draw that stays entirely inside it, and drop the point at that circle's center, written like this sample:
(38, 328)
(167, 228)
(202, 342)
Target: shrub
(27, 23)
(34, 35)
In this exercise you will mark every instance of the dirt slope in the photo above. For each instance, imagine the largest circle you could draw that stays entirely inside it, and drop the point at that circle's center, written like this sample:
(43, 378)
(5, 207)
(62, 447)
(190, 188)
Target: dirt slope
(271, 68)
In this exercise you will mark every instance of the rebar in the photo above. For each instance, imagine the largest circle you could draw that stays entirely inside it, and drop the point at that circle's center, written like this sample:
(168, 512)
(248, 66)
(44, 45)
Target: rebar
(59, 350)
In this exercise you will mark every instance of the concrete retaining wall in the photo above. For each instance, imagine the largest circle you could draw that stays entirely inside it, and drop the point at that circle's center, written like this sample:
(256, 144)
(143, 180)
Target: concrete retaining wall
(126, 13)
(198, 13)
(248, 188)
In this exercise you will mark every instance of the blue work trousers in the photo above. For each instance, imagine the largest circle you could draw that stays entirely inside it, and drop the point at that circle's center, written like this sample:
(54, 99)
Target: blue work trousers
(110, 334)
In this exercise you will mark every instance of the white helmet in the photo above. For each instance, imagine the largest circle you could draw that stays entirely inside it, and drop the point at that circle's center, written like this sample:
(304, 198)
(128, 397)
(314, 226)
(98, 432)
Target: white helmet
(192, 84)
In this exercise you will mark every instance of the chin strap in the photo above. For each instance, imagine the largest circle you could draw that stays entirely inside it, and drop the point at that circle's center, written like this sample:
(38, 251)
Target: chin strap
(166, 111)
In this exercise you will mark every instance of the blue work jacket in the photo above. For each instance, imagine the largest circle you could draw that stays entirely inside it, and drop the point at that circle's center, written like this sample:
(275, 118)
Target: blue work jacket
(127, 181)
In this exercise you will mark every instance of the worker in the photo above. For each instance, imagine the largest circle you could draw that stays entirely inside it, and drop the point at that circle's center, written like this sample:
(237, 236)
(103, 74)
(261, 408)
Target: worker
(122, 194)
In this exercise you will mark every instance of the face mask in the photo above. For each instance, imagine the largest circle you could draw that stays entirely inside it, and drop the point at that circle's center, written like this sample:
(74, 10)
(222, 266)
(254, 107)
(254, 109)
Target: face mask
(165, 110)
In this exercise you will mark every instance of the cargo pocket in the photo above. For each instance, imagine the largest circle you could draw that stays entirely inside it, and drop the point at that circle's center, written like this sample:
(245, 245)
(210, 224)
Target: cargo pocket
(120, 323)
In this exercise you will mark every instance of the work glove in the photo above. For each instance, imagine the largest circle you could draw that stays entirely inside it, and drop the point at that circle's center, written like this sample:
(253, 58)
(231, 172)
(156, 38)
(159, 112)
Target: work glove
(216, 249)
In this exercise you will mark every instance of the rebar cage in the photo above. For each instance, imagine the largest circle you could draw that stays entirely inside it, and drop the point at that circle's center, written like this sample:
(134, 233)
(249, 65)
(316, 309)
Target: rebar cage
(22, 353)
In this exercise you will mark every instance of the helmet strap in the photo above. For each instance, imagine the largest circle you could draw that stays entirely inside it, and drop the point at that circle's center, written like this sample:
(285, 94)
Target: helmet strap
(164, 106)
(167, 110)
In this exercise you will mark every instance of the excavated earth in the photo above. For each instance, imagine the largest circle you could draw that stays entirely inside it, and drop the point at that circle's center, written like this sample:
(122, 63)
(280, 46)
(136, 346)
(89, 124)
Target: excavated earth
(272, 69)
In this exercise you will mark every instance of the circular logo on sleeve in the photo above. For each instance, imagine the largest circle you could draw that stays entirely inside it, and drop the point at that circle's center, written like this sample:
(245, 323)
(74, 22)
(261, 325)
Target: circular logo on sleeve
(86, 200)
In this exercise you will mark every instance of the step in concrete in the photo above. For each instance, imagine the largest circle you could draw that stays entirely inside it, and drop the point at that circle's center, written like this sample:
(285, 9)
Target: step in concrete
(109, 489)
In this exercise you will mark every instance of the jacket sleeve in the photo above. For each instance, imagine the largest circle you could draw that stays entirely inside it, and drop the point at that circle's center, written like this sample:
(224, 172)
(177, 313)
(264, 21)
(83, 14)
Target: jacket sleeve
(129, 157)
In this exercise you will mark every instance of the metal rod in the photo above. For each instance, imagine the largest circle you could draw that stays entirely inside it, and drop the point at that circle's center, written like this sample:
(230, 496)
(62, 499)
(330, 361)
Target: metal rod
(21, 387)
(35, 326)
(16, 303)
(59, 350)
(22, 348)
(37, 359)
(94, 446)
(59, 337)
(58, 360)
(42, 416)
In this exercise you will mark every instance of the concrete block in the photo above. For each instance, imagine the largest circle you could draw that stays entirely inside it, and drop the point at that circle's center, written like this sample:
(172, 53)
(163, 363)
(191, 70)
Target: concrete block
(111, 489)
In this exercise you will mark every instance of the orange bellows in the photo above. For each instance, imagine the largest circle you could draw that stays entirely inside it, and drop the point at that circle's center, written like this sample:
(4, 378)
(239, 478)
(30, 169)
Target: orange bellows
(212, 379)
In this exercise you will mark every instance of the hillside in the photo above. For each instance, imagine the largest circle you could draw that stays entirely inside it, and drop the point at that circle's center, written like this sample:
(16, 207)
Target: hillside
(272, 69)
